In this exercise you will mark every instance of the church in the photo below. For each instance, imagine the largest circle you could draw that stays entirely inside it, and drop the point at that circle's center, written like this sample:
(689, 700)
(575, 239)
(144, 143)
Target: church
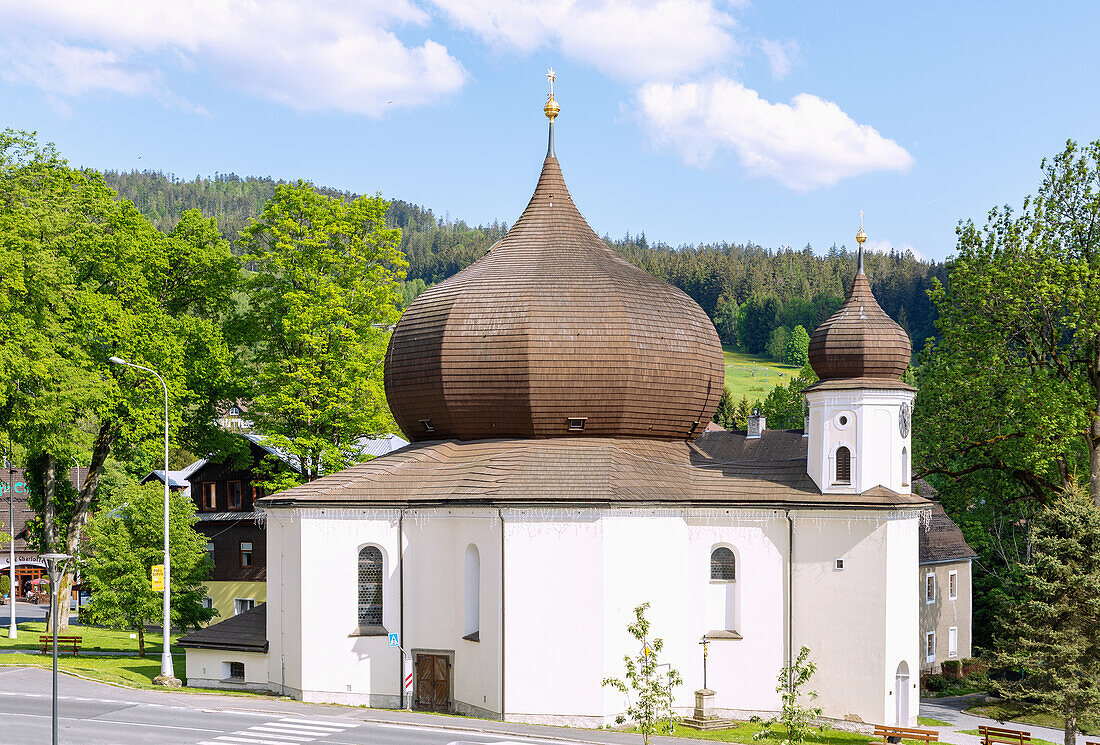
(559, 476)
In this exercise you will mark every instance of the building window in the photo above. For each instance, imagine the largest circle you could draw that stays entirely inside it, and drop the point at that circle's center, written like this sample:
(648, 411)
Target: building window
(843, 465)
(723, 565)
(473, 594)
(208, 602)
(370, 586)
(210, 550)
(240, 605)
(233, 671)
(209, 495)
(721, 593)
(246, 553)
(838, 564)
(953, 585)
(257, 493)
(929, 646)
(953, 641)
(905, 467)
(929, 588)
(233, 491)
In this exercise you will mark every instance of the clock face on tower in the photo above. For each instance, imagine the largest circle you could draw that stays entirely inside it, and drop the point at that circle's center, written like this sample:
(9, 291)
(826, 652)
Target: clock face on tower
(904, 419)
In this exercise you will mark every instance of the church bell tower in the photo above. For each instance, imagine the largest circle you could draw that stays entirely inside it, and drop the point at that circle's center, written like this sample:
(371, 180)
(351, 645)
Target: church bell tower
(860, 412)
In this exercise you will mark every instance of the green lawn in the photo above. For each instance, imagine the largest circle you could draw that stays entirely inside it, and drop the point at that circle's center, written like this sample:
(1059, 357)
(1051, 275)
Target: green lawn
(743, 733)
(1034, 740)
(93, 639)
(754, 376)
(1008, 711)
(930, 722)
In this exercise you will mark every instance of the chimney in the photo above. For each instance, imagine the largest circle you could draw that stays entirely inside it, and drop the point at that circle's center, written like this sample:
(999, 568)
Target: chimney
(756, 425)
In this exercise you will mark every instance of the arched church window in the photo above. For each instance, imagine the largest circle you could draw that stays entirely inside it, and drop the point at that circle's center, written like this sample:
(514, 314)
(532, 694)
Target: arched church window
(843, 465)
(370, 586)
(473, 594)
(723, 565)
(905, 467)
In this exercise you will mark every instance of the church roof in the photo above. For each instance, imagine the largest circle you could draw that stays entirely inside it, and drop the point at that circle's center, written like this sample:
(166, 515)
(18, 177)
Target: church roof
(720, 468)
(860, 341)
(244, 632)
(552, 334)
(941, 540)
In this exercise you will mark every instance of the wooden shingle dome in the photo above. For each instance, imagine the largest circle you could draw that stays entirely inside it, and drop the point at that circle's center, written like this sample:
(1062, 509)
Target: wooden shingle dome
(552, 334)
(860, 340)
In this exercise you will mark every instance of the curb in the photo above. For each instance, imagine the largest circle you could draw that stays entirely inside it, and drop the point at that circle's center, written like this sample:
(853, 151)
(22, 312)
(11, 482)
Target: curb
(484, 731)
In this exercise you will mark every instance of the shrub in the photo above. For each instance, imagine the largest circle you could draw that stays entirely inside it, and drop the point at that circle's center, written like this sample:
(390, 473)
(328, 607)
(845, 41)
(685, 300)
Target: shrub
(952, 669)
(5, 584)
(937, 683)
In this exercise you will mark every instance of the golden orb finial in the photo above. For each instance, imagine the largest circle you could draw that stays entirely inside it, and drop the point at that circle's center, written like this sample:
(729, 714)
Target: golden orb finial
(551, 109)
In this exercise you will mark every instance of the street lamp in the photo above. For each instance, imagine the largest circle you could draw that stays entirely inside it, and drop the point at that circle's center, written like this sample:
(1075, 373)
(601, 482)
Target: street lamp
(166, 669)
(55, 565)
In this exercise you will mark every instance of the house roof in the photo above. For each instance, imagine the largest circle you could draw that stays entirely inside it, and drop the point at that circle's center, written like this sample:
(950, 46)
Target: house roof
(245, 632)
(720, 468)
(177, 479)
(376, 446)
(941, 540)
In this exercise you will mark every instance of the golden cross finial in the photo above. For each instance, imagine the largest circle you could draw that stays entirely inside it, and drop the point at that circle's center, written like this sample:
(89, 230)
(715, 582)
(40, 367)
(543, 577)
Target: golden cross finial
(551, 77)
(551, 108)
(861, 236)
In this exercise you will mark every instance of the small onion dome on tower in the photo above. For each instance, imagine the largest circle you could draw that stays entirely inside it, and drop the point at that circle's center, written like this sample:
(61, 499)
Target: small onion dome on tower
(552, 334)
(860, 340)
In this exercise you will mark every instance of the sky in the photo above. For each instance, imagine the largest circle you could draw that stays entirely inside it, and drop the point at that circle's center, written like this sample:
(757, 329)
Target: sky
(692, 121)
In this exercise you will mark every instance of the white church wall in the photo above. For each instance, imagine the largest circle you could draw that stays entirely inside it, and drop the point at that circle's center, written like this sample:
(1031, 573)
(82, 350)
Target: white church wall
(435, 604)
(554, 617)
(339, 665)
(902, 622)
(284, 601)
(841, 615)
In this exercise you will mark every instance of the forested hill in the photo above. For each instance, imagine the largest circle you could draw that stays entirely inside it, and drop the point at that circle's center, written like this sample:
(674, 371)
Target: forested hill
(790, 287)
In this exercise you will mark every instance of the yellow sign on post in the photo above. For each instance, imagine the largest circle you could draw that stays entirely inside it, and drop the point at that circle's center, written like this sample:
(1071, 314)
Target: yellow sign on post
(158, 578)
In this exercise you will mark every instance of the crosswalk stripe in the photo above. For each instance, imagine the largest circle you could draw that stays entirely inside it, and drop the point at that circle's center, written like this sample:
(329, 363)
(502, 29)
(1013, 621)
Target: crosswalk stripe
(342, 725)
(251, 740)
(309, 730)
(282, 734)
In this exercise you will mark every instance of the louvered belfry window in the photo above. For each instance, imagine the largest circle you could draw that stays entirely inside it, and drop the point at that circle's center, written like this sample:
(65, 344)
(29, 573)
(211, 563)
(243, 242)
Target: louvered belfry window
(370, 587)
(723, 565)
(843, 465)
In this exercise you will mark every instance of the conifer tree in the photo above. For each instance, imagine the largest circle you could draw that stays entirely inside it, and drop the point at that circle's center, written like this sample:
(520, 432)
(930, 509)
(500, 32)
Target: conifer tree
(1052, 636)
(724, 414)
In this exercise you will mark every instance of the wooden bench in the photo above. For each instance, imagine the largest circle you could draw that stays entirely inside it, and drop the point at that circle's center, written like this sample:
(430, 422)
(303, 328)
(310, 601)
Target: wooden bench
(903, 733)
(46, 640)
(992, 735)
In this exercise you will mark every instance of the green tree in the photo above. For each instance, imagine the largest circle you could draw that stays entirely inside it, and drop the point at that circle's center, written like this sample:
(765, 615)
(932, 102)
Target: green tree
(756, 320)
(797, 351)
(1015, 385)
(725, 320)
(5, 585)
(777, 343)
(124, 540)
(84, 277)
(325, 292)
(784, 407)
(744, 411)
(725, 413)
(795, 721)
(649, 690)
(1053, 634)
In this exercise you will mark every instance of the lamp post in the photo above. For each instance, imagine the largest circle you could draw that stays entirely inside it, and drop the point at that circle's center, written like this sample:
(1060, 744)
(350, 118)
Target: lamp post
(166, 669)
(55, 564)
(13, 628)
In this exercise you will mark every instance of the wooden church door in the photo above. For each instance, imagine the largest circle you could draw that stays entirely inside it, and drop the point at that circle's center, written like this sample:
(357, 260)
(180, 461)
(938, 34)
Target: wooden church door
(433, 682)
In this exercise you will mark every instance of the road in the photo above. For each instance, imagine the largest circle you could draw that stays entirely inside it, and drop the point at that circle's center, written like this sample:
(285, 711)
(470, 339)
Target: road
(97, 714)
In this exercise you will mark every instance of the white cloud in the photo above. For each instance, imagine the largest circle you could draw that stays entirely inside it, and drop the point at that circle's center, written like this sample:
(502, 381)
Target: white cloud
(308, 54)
(782, 56)
(885, 246)
(630, 40)
(803, 145)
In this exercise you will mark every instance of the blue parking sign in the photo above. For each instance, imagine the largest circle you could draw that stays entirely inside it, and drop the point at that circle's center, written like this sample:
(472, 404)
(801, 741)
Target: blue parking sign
(395, 640)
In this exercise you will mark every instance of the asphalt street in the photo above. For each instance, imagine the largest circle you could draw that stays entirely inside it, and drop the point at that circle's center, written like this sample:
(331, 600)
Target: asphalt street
(92, 713)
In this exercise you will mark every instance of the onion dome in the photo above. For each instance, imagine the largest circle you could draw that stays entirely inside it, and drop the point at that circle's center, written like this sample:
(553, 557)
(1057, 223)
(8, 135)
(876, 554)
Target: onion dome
(860, 340)
(552, 334)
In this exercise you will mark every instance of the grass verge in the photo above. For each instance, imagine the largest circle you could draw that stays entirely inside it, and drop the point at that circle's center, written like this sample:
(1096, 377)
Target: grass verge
(93, 639)
(744, 732)
(1010, 711)
(1034, 740)
(930, 722)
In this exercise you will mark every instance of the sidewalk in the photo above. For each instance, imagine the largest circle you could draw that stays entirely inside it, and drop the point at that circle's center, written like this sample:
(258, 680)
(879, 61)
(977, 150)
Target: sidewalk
(951, 710)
